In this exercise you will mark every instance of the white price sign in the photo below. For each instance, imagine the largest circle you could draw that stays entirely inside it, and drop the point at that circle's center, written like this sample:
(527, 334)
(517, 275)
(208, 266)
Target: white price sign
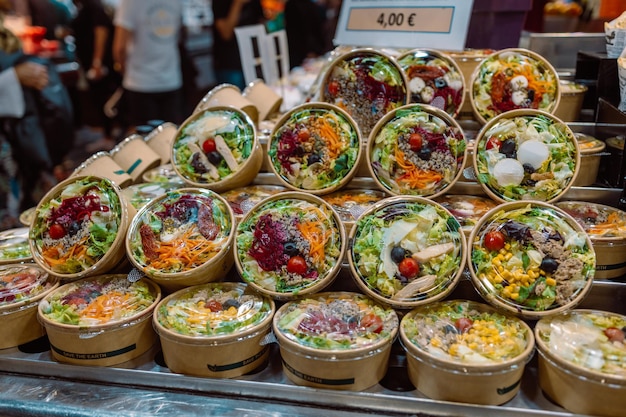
(440, 24)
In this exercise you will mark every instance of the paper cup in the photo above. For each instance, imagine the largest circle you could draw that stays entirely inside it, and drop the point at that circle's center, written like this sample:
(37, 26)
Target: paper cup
(101, 164)
(135, 156)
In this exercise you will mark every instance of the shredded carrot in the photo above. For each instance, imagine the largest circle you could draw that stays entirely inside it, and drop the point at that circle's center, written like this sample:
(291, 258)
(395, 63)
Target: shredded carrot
(103, 306)
(330, 136)
(54, 257)
(414, 177)
(317, 237)
(183, 253)
(613, 221)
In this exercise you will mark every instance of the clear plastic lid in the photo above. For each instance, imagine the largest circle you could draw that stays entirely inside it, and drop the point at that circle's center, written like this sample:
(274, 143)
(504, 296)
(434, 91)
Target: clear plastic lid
(179, 231)
(599, 221)
(242, 199)
(21, 283)
(336, 321)
(216, 309)
(526, 155)
(435, 79)
(14, 246)
(588, 144)
(314, 147)
(163, 173)
(467, 209)
(466, 332)
(589, 339)
(351, 203)
(407, 251)
(531, 258)
(289, 243)
(141, 194)
(417, 150)
(105, 299)
(367, 83)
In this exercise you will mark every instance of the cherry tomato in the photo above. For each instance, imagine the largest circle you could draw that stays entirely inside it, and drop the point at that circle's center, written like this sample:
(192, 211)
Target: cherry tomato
(372, 322)
(463, 324)
(333, 88)
(56, 231)
(493, 142)
(614, 334)
(494, 240)
(214, 306)
(409, 268)
(296, 265)
(303, 135)
(209, 146)
(415, 142)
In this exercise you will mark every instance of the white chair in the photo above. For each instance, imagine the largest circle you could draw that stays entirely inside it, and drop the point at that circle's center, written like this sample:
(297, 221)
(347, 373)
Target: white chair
(263, 55)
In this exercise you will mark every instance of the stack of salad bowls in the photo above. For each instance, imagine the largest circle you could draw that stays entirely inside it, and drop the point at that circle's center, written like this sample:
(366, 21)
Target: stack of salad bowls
(22, 286)
(216, 330)
(606, 227)
(183, 238)
(526, 155)
(100, 321)
(466, 351)
(581, 361)
(335, 340)
(289, 245)
(416, 149)
(315, 147)
(217, 148)
(531, 259)
(406, 251)
(80, 228)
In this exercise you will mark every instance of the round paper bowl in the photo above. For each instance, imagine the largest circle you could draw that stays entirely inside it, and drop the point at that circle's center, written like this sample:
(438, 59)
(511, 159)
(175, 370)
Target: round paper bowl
(183, 238)
(581, 361)
(335, 340)
(266, 100)
(590, 156)
(160, 140)
(467, 209)
(416, 150)
(406, 251)
(531, 259)
(572, 97)
(511, 79)
(434, 78)
(228, 95)
(135, 156)
(14, 246)
(606, 227)
(80, 228)
(101, 164)
(289, 245)
(214, 330)
(526, 155)
(217, 148)
(141, 194)
(27, 216)
(315, 147)
(242, 199)
(351, 203)
(22, 286)
(469, 346)
(100, 321)
(367, 84)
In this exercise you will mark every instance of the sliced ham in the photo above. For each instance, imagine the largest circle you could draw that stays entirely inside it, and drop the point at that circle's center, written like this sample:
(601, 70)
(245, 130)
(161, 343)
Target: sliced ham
(206, 225)
(227, 154)
(149, 242)
(433, 251)
(210, 168)
(414, 287)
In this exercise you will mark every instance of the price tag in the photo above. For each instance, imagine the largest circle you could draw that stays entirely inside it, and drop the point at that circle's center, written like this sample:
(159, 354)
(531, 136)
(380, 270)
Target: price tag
(438, 24)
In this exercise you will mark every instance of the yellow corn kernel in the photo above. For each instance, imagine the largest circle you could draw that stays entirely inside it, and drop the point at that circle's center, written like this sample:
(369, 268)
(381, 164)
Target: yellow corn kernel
(473, 345)
(508, 256)
(502, 252)
(507, 246)
(514, 296)
(497, 279)
(496, 261)
(500, 268)
(550, 282)
(435, 342)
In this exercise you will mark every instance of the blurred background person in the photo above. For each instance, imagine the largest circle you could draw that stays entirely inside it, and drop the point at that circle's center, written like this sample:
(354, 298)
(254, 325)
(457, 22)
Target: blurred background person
(304, 25)
(146, 52)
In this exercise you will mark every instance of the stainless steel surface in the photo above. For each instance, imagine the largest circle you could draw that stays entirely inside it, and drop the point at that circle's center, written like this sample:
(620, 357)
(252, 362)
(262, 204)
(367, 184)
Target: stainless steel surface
(561, 49)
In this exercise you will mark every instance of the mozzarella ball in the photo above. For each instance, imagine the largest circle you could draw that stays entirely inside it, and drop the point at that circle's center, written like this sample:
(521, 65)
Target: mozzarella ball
(508, 171)
(533, 152)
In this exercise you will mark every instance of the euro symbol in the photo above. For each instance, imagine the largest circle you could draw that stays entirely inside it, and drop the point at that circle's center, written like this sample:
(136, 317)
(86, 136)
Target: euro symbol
(411, 19)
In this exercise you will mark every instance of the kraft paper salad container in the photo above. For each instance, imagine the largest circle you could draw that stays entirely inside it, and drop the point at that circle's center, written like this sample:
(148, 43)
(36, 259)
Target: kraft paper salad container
(183, 238)
(581, 361)
(22, 286)
(467, 61)
(80, 228)
(590, 156)
(100, 321)
(416, 150)
(101, 164)
(315, 147)
(531, 259)
(406, 251)
(351, 203)
(434, 78)
(160, 140)
(289, 245)
(467, 209)
(526, 155)
(367, 84)
(27, 216)
(242, 199)
(135, 156)
(14, 246)
(214, 330)
(335, 340)
(228, 95)
(511, 79)
(217, 148)
(265, 99)
(606, 227)
(466, 351)
(572, 97)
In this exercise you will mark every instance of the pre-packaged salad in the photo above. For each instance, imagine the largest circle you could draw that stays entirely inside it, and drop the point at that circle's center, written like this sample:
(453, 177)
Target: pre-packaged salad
(140, 194)
(217, 148)
(526, 155)
(367, 84)
(467, 209)
(406, 251)
(351, 203)
(416, 150)
(79, 228)
(242, 199)
(531, 259)
(290, 244)
(315, 147)
(14, 246)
